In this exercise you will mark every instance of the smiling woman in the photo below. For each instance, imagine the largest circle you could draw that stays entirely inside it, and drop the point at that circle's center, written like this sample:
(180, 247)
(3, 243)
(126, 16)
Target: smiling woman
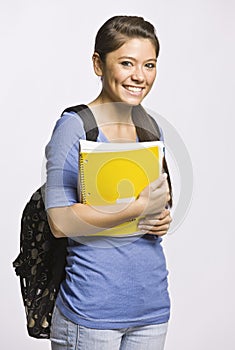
(128, 73)
(114, 297)
(126, 51)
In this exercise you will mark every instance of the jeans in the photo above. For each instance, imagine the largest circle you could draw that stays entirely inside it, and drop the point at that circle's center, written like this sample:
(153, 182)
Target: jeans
(66, 335)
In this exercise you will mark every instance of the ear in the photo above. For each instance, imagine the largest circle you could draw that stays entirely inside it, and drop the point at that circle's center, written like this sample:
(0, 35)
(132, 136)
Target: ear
(97, 64)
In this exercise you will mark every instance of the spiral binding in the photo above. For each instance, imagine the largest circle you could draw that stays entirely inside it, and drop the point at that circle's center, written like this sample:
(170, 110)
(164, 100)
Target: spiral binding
(82, 180)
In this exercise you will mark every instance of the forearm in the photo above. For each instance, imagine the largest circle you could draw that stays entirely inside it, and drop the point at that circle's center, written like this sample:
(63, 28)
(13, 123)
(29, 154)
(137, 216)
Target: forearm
(82, 220)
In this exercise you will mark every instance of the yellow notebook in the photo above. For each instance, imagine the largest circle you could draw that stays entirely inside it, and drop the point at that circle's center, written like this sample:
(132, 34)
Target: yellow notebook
(113, 173)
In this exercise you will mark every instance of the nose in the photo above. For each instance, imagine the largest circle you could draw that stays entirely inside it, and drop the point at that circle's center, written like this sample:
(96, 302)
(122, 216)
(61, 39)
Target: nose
(138, 75)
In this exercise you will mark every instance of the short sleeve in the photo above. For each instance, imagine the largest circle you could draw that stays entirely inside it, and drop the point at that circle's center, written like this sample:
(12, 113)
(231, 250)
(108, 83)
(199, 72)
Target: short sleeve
(62, 156)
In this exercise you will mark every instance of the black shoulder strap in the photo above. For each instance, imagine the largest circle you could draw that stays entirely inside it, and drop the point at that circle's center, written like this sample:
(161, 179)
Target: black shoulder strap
(146, 126)
(88, 119)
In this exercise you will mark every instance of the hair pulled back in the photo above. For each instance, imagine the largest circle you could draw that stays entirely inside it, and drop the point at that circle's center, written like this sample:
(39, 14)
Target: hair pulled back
(118, 29)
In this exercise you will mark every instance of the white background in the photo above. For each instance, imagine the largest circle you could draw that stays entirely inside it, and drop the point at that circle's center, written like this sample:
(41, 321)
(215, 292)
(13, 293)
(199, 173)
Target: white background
(46, 49)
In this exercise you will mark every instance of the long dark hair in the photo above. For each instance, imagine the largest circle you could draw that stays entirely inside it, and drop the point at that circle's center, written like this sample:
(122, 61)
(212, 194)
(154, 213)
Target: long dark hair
(116, 30)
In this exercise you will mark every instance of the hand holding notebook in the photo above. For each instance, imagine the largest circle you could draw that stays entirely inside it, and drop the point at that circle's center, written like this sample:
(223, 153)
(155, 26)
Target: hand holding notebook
(114, 173)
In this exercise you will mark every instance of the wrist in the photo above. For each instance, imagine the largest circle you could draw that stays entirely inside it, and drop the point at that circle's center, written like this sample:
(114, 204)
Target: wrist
(138, 207)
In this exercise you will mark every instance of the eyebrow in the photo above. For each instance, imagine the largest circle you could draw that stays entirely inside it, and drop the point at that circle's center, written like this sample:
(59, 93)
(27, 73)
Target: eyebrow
(132, 58)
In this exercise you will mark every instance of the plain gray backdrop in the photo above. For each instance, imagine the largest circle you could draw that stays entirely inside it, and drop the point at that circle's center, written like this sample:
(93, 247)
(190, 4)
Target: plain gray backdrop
(46, 49)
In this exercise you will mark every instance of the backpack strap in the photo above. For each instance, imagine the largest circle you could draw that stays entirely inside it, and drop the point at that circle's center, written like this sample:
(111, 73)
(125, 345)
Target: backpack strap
(146, 126)
(89, 122)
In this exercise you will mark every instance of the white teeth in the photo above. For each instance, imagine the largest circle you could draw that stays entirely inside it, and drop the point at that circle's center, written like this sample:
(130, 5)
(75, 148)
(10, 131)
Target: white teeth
(134, 89)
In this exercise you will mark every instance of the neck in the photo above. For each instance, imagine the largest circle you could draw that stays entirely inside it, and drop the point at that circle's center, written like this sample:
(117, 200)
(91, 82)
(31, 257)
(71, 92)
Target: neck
(111, 112)
(115, 120)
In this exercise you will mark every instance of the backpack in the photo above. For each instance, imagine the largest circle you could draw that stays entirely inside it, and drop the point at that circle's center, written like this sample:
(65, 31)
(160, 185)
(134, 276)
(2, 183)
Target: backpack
(41, 262)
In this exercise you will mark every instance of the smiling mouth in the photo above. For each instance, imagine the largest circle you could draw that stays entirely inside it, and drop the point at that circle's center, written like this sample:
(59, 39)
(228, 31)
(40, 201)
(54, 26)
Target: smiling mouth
(134, 89)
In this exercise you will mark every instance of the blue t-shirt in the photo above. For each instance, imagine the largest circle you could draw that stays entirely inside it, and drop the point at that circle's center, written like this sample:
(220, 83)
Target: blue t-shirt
(110, 282)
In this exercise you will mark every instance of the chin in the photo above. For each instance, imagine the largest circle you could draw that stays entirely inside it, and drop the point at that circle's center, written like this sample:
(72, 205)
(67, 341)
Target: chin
(132, 101)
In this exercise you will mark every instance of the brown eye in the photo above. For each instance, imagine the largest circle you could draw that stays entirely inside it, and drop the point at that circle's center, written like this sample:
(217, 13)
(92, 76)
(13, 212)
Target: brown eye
(150, 65)
(126, 63)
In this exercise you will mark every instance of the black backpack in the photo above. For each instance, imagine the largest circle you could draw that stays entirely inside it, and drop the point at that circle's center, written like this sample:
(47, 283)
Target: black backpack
(42, 258)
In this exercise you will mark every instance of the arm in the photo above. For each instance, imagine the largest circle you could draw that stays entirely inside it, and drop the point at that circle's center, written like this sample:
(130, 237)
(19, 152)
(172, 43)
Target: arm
(81, 219)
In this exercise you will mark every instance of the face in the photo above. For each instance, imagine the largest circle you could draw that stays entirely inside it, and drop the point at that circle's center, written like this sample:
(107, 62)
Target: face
(129, 72)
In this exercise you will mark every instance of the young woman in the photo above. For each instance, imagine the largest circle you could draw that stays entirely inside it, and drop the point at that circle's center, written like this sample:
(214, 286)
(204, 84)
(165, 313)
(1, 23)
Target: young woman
(115, 294)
